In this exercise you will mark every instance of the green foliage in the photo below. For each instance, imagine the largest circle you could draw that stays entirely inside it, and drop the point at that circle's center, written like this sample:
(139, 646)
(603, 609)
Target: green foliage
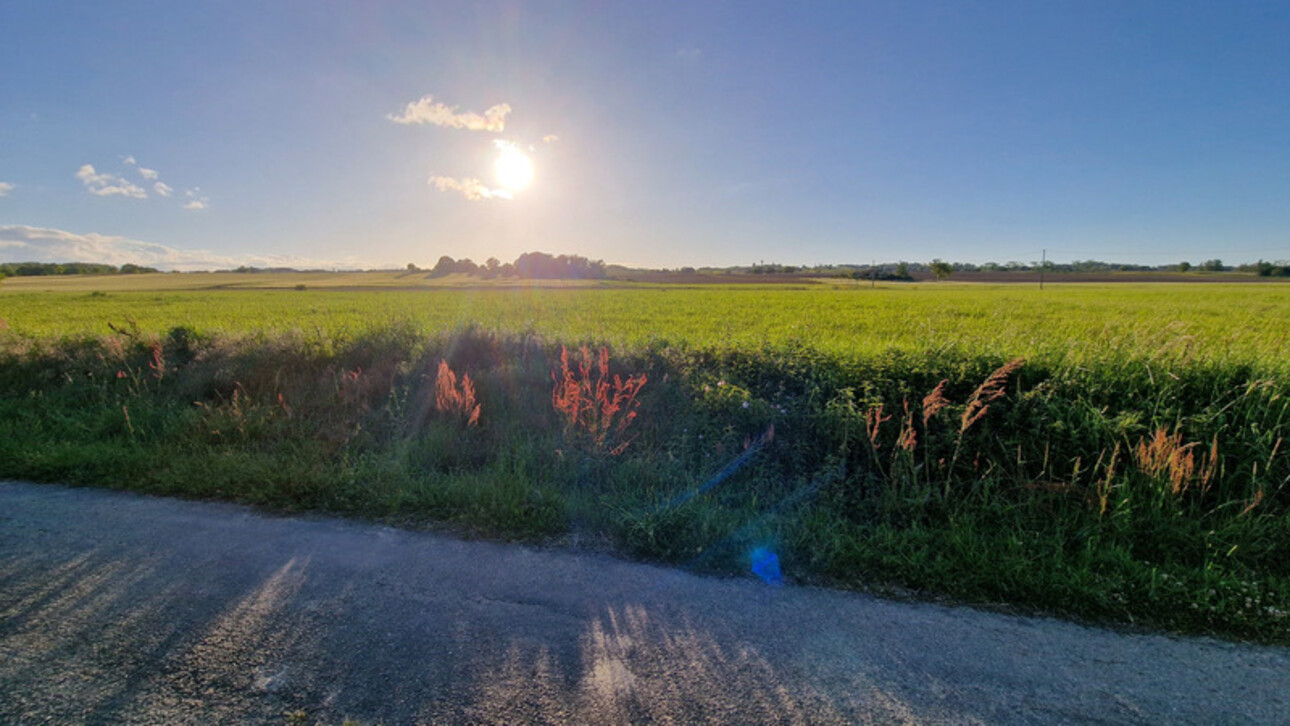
(32, 269)
(941, 269)
(1133, 468)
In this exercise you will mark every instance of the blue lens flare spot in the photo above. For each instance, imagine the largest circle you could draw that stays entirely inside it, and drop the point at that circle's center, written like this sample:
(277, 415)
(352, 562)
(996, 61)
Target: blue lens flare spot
(766, 566)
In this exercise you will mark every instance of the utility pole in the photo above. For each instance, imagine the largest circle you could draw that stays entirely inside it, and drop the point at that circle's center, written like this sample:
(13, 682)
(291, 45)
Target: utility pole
(1043, 263)
(873, 274)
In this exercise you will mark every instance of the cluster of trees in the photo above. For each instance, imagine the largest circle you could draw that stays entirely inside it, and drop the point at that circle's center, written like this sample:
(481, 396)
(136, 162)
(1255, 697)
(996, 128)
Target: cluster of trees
(774, 269)
(1207, 265)
(530, 265)
(1270, 269)
(34, 269)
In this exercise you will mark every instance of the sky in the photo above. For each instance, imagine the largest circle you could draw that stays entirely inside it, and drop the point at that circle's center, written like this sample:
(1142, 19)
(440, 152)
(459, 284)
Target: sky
(201, 135)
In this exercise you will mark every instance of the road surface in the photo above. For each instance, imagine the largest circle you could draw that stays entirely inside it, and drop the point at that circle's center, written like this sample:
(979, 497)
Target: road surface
(119, 608)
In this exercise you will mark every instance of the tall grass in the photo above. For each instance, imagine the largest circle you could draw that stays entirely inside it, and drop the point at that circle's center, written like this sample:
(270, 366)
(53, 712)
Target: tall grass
(1127, 465)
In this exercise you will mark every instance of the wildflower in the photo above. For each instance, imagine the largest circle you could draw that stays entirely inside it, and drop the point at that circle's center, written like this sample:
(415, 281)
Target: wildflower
(745, 404)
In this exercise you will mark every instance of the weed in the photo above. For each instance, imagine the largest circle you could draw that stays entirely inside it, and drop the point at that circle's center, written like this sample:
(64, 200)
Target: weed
(591, 404)
(453, 399)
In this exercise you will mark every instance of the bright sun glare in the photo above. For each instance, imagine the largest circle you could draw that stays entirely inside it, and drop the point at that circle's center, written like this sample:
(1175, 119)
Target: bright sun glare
(513, 167)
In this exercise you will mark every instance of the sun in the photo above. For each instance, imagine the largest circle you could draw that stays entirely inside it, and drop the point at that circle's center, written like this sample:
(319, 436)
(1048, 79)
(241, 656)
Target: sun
(513, 168)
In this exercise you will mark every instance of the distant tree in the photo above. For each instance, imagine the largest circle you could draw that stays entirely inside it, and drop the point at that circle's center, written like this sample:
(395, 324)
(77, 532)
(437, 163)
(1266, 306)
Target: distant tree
(941, 268)
(1213, 266)
(540, 265)
(493, 264)
(902, 272)
(412, 267)
(1184, 266)
(445, 266)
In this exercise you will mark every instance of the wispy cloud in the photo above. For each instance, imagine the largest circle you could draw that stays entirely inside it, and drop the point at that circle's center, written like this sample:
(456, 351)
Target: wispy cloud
(428, 111)
(163, 189)
(472, 189)
(106, 185)
(36, 244)
(195, 199)
(148, 174)
(5, 188)
(550, 139)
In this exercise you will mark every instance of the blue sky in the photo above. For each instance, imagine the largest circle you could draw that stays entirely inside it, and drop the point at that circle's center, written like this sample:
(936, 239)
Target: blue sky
(660, 134)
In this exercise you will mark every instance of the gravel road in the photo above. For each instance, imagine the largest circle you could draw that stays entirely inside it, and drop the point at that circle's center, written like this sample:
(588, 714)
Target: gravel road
(122, 608)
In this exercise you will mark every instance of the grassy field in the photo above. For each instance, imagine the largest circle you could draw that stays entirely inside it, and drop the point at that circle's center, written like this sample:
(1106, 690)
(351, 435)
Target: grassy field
(1105, 451)
(1064, 324)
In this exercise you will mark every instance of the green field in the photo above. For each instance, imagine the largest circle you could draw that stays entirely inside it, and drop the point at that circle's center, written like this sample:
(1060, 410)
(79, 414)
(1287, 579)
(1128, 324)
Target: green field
(1073, 324)
(1127, 467)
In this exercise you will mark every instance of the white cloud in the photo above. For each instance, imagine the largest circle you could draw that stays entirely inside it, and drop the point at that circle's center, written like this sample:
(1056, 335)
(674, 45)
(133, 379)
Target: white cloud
(195, 200)
(550, 138)
(5, 188)
(472, 189)
(129, 160)
(105, 185)
(148, 174)
(163, 189)
(35, 244)
(428, 111)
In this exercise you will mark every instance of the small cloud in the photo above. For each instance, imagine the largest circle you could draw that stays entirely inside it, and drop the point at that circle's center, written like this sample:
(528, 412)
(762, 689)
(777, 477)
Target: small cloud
(5, 188)
(106, 185)
(148, 174)
(163, 189)
(129, 160)
(550, 139)
(195, 200)
(472, 189)
(689, 54)
(428, 111)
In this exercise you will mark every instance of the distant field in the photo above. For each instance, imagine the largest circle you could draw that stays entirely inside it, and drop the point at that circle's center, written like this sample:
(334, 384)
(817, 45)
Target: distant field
(1062, 324)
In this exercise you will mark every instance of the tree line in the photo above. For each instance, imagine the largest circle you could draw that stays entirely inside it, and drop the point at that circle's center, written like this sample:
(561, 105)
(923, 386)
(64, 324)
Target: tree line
(36, 269)
(530, 265)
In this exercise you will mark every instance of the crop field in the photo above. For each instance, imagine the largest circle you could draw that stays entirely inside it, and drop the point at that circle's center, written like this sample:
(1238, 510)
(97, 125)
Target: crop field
(1111, 452)
(1071, 324)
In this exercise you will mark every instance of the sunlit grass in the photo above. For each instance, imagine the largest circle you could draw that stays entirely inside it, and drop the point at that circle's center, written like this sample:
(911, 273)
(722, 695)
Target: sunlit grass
(1133, 468)
(1063, 324)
